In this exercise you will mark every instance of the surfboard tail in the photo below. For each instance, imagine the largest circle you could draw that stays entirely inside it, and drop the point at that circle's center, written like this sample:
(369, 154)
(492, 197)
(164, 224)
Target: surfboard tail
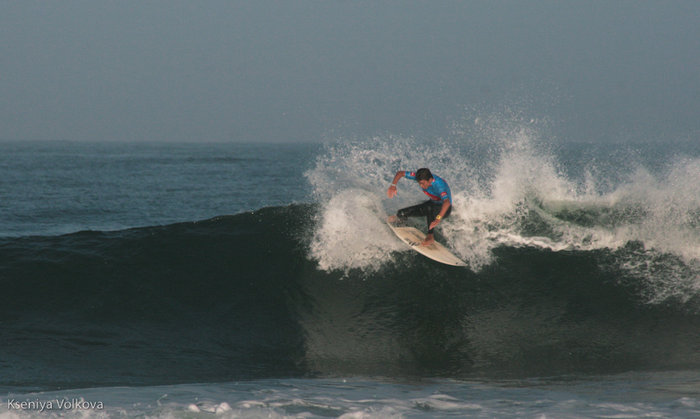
(435, 251)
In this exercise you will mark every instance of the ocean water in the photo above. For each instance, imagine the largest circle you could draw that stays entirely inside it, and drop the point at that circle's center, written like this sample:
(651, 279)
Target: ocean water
(243, 280)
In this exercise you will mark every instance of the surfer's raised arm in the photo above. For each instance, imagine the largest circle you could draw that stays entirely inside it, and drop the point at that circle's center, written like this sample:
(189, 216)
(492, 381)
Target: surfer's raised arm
(391, 192)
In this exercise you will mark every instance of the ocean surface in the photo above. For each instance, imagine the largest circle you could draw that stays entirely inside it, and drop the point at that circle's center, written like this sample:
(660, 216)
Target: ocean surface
(242, 280)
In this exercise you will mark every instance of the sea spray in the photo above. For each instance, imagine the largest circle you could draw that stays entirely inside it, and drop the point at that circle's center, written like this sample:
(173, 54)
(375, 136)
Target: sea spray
(512, 189)
(351, 233)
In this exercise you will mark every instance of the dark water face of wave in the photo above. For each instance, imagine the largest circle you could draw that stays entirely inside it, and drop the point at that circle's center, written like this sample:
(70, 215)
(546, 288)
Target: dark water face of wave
(237, 297)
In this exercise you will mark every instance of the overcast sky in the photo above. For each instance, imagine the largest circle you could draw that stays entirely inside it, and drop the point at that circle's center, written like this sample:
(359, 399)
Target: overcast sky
(165, 70)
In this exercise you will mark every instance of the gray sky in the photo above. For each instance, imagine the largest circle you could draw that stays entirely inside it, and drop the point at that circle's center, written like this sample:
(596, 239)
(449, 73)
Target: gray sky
(169, 70)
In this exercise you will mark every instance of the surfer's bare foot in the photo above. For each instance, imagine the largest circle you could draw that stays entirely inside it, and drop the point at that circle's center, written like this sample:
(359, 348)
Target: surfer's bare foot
(428, 240)
(392, 219)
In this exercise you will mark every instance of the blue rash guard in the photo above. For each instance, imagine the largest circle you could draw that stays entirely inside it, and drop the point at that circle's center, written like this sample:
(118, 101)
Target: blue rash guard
(438, 190)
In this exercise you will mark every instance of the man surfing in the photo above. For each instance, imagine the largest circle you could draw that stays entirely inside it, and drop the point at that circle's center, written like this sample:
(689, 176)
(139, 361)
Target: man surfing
(435, 209)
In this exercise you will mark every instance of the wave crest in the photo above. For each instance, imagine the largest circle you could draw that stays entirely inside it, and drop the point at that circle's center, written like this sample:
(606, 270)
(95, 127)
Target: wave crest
(513, 188)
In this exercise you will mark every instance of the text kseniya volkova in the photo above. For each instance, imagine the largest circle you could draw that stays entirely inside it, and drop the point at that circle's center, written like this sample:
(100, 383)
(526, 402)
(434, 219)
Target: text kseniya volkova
(55, 404)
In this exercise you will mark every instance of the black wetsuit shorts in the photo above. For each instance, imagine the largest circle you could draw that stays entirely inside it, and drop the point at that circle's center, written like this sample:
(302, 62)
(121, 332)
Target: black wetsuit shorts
(428, 209)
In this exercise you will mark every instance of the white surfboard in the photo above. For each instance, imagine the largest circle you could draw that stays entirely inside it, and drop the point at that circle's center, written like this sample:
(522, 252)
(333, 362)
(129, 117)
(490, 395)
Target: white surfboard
(437, 252)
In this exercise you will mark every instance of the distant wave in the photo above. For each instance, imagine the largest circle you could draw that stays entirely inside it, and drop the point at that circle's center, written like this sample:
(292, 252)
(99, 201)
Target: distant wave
(245, 296)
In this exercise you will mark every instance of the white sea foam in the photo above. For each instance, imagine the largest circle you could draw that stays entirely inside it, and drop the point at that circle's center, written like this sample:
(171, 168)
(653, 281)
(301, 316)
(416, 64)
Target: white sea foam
(672, 395)
(510, 189)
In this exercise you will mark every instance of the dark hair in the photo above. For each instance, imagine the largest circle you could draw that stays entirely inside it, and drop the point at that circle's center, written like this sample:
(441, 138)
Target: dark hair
(423, 174)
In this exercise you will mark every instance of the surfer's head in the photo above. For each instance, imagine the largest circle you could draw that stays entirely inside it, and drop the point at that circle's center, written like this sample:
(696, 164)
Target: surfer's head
(423, 176)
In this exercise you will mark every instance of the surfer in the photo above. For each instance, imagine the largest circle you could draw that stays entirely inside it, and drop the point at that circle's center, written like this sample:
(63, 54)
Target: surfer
(435, 209)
